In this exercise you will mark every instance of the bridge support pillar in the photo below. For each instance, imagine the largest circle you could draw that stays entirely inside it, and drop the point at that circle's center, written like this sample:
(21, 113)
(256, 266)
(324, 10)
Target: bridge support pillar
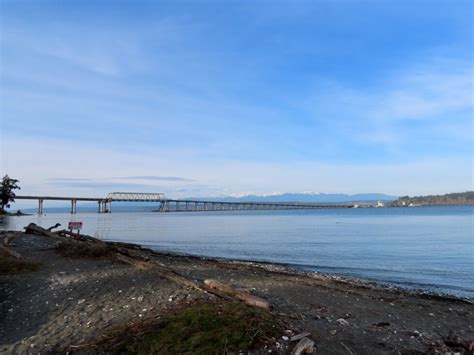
(40, 206)
(73, 206)
(102, 207)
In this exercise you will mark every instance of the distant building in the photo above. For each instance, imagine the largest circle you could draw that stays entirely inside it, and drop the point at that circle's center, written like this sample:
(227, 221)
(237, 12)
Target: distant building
(379, 204)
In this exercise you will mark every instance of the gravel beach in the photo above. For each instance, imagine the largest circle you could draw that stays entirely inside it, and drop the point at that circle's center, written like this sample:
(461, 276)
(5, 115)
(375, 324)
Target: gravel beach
(69, 302)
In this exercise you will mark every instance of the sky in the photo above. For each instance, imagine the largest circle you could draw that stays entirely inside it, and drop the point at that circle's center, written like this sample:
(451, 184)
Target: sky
(213, 98)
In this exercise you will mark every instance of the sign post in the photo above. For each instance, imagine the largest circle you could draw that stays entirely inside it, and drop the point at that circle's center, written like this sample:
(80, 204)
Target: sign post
(75, 226)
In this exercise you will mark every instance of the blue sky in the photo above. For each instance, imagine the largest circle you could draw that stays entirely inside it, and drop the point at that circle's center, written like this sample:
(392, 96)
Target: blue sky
(196, 98)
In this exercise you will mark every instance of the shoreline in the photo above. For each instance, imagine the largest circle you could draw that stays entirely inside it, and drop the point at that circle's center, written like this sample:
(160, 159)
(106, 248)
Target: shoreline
(295, 269)
(74, 302)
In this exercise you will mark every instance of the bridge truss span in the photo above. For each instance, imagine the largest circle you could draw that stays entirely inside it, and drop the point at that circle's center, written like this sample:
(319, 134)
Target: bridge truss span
(136, 196)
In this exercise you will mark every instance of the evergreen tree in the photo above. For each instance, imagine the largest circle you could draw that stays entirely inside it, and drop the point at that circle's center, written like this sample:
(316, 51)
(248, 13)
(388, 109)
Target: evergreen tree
(7, 193)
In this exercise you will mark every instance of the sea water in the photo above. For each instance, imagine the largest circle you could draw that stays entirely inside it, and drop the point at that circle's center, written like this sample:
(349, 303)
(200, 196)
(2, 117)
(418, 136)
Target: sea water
(427, 248)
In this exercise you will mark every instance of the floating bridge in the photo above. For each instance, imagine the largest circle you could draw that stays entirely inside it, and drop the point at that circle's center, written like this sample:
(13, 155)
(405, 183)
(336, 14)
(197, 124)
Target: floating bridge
(165, 204)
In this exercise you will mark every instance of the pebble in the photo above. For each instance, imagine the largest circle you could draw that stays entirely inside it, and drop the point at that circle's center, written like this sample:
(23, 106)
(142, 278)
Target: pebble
(342, 321)
(285, 338)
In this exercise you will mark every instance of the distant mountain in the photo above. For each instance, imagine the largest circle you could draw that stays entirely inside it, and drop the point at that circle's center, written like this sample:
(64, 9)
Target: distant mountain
(303, 197)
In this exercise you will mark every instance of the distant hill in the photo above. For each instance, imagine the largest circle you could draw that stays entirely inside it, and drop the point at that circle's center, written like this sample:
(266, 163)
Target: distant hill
(304, 197)
(458, 198)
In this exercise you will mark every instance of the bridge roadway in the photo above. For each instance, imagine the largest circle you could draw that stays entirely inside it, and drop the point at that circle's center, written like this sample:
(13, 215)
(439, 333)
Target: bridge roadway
(173, 205)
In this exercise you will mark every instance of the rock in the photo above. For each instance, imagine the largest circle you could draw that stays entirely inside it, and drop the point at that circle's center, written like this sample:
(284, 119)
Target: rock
(342, 322)
(285, 338)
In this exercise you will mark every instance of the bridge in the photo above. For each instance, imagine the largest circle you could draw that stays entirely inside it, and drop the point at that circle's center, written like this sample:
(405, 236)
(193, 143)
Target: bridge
(173, 205)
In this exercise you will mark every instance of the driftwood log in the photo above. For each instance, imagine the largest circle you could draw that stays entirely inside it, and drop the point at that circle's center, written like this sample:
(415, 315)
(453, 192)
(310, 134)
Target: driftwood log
(237, 294)
(299, 336)
(32, 228)
(304, 346)
(8, 239)
(11, 252)
(126, 253)
(50, 229)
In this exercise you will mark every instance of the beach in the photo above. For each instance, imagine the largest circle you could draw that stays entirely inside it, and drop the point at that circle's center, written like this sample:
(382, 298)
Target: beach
(68, 303)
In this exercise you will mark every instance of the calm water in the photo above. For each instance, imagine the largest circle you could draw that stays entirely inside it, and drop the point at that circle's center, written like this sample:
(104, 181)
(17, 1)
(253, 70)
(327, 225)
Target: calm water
(430, 248)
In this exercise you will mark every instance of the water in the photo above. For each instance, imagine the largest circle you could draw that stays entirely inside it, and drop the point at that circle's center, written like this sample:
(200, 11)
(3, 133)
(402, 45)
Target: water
(429, 248)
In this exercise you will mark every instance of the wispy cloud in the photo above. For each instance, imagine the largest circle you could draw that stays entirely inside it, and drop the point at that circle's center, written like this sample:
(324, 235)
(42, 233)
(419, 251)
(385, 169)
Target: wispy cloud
(68, 180)
(156, 178)
(72, 184)
(430, 92)
(410, 105)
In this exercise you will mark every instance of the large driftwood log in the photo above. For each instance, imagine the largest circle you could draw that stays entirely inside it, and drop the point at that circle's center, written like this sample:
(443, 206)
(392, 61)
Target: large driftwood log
(78, 236)
(242, 296)
(32, 228)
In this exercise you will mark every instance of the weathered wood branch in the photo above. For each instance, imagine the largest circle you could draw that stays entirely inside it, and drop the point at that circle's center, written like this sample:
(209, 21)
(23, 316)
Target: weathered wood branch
(299, 336)
(8, 239)
(50, 229)
(11, 252)
(304, 346)
(242, 296)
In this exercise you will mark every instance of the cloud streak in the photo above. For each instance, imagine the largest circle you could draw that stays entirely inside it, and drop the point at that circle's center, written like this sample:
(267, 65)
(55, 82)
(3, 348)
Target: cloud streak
(157, 178)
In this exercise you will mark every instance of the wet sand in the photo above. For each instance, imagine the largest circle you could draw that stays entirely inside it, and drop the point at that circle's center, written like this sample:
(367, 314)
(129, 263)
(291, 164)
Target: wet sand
(68, 302)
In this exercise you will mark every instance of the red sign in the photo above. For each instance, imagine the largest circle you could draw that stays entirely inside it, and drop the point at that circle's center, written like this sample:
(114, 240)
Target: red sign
(75, 225)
